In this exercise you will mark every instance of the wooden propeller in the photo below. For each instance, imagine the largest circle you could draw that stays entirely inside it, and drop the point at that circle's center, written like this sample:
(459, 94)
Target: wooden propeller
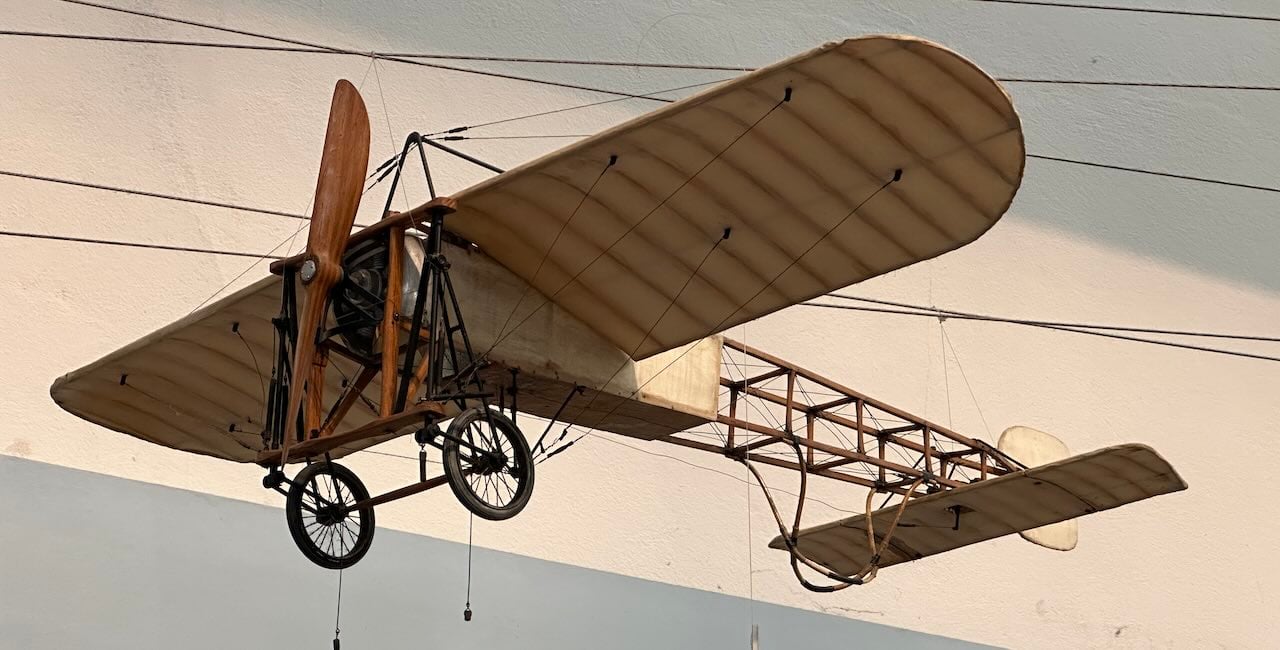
(342, 171)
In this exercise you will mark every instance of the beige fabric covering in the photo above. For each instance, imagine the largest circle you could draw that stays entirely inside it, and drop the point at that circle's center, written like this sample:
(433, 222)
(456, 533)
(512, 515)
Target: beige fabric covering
(859, 110)
(785, 188)
(1080, 485)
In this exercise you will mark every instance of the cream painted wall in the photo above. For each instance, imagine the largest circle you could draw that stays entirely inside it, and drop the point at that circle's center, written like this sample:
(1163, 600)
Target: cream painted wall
(1189, 570)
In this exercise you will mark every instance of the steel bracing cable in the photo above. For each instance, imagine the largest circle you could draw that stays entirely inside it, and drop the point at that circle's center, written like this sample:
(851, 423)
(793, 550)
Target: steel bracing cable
(533, 280)
(627, 361)
(607, 249)
(566, 109)
(897, 176)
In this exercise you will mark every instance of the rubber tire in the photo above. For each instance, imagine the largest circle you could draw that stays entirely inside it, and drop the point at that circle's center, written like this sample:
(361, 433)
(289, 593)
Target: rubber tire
(297, 528)
(458, 481)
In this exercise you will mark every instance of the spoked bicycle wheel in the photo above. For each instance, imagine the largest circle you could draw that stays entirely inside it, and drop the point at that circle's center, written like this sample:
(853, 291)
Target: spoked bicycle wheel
(491, 473)
(320, 517)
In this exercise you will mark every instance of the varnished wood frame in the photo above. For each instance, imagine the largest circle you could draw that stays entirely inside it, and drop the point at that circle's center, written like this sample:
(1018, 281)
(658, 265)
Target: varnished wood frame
(926, 449)
(323, 429)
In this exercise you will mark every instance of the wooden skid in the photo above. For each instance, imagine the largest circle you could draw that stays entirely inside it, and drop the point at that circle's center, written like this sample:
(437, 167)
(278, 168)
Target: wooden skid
(389, 426)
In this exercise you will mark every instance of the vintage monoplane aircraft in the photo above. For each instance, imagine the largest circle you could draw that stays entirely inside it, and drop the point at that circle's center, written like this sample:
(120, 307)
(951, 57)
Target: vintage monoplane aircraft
(594, 281)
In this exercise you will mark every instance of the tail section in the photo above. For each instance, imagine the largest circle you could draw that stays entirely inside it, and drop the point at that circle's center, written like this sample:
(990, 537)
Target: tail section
(1034, 448)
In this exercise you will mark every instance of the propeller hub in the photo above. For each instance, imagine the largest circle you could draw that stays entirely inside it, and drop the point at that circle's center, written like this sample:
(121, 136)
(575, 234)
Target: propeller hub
(308, 270)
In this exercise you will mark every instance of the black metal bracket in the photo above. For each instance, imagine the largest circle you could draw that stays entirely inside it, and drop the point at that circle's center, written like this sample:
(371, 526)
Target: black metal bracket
(576, 390)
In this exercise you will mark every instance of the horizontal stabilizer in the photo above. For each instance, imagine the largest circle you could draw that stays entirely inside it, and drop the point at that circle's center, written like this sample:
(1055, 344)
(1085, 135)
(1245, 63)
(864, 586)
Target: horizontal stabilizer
(1016, 502)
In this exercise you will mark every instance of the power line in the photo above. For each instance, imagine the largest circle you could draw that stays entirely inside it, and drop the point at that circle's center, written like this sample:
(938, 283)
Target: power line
(1140, 10)
(279, 213)
(157, 195)
(338, 50)
(1137, 84)
(107, 38)
(1025, 321)
(129, 244)
(585, 62)
(1122, 337)
(1149, 172)
(908, 310)
(153, 195)
(287, 242)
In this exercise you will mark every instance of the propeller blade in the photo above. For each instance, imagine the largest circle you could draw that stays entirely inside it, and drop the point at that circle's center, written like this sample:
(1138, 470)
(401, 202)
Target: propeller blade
(342, 170)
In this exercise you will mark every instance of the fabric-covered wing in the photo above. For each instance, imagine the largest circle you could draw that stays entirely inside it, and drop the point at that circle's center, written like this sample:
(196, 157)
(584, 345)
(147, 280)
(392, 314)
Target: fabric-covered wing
(1080, 485)
(629, 251)
(199, 384)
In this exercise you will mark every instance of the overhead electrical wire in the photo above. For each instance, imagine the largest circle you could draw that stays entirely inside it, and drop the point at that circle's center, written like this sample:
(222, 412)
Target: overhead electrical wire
(287, 242)
(378, 54)
(1140, 10)
(920, 310)
(290, 215)
(1024, 321)
(906, 310)
(1150, 172)
(1103, 334)
(588, 62)
(412, 59)
(1137, 84)
(313, 48)
(153, 195)
(158, 195)
(130, 244)
(370, 54)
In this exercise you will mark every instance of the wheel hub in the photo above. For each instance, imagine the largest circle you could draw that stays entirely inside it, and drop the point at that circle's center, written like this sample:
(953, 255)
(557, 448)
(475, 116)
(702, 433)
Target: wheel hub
(491, 462)
(330, 515)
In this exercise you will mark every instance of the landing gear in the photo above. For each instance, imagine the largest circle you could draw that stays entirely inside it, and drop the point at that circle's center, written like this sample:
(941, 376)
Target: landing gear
(488, 464)
(394, 315)
(322, 518)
